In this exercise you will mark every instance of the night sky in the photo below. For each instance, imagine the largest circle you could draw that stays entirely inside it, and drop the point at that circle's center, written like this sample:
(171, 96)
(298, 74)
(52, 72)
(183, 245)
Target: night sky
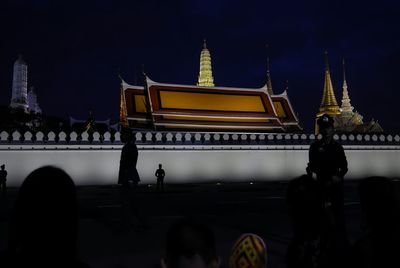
(75, 50)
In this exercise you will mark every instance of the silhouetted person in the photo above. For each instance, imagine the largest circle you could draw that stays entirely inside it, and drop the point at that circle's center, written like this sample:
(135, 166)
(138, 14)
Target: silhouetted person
(304, 211)
(190, 244)
(328, 161)
(44, 224)
(3, 180)
(128, 177)
(248, 251)
(380, 243)
(160, 174)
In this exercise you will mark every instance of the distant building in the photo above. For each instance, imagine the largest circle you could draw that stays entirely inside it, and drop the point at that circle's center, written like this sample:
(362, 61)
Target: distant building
(22, 99)
(206, 78)
(90, 125)
(347, 120)
(206, 107)
(19, 99)
(33, 103)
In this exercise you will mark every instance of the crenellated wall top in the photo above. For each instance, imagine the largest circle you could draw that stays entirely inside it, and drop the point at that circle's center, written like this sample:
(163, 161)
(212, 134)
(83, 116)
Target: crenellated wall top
(191, 138)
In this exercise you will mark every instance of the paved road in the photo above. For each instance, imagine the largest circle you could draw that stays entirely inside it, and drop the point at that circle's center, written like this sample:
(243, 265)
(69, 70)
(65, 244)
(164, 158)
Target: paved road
(230, 209)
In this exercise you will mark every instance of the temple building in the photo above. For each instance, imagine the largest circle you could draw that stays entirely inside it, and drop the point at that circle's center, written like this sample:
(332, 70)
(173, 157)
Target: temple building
(90, 125)
(19, 99)
(22, 99)
(347, 120)
(206, 78)
(33, 102)
(206, 107)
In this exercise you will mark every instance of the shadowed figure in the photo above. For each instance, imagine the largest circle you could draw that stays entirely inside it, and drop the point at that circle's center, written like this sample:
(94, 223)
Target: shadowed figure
(190, 244)
(304, 211)
(3, 180)
(44, 224)
(380, 243)
(128, 178)
(328, 161)
(160, 174)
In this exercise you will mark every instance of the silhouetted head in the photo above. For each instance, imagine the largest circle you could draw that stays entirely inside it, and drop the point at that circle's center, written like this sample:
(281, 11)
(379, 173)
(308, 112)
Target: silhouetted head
(190, 244)
(45, 217)
(248, 251)
(126, 135)
(3, 167)
(326, 128)
(159, 165)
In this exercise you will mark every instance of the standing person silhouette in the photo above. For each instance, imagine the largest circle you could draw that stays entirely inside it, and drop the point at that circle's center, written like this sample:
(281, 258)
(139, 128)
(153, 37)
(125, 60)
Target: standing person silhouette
(128, 176)
(328, 161)
(3, 180)
(160, 174)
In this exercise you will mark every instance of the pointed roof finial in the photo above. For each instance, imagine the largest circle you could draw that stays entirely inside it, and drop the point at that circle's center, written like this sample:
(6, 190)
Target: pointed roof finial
(119, 74)
(267, 48)
(143, 70)
(326, 61)
(20, 59)
(344, 70)
(269, 80)
(286, 85)
(204, 43)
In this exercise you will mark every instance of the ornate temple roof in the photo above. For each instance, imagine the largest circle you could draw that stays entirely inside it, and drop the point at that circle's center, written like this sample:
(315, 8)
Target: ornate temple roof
(205, 106)
(174, 106)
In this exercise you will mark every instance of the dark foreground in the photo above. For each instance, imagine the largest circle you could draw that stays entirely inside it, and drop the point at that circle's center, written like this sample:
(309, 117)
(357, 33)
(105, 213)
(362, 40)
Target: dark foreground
(230, 209)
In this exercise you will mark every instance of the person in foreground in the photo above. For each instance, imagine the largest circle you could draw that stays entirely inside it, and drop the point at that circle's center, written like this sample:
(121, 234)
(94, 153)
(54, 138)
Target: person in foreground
(249, 251)
(44, 224)
(190, 244)
(328, 161)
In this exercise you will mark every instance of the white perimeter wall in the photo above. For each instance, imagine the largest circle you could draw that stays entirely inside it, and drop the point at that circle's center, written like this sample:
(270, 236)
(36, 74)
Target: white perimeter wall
(99, 165)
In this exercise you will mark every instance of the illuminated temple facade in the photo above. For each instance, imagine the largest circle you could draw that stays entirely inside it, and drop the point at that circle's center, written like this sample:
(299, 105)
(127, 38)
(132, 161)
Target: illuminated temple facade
(346, 119)
(206, 107)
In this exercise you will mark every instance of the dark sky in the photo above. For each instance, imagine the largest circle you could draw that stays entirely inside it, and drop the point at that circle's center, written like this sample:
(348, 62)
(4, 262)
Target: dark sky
(75, 49)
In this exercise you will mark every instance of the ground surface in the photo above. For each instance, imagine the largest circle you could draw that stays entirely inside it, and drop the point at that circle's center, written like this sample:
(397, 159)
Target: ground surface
(230, 209)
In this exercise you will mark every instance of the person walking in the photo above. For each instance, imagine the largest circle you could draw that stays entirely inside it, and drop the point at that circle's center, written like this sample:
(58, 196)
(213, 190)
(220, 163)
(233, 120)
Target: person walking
(129, 179)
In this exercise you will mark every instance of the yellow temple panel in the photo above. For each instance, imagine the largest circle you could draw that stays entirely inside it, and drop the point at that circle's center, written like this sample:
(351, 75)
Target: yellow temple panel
(140, 103)
(279, 109)
(217, 127)
(246, 120)
(213, 102)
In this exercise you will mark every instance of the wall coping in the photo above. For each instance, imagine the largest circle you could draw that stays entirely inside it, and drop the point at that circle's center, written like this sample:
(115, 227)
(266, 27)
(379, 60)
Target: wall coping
(189, 138)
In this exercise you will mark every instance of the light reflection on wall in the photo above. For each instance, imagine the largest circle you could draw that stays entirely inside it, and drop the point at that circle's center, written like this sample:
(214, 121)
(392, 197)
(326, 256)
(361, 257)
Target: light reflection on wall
(88, 167)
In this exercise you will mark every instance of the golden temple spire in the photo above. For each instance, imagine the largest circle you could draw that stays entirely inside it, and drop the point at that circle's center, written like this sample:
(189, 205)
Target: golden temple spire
(329, 104)
(347, 109)
(205, 78)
